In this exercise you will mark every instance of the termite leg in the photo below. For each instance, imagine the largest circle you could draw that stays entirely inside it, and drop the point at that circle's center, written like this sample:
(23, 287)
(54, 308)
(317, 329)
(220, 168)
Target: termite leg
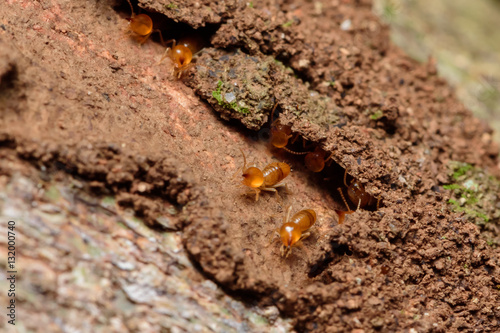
(342, 214)
(274, 234)
(304, 235)
(144, 39)
(295, 137)
(286, 218)
(168, 50)
(161, 37)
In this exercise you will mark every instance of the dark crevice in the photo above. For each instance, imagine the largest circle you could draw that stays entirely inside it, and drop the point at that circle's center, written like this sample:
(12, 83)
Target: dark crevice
(8, 78)
(331, 178)
(270, 296)
(169, 28)
(337, 250)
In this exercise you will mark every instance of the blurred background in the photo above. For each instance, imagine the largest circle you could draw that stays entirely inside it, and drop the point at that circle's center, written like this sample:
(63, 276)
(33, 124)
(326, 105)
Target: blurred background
(463, 36)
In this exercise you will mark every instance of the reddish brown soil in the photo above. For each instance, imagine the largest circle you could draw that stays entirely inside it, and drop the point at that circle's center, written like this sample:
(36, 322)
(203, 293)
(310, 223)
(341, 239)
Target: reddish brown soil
(78, 97)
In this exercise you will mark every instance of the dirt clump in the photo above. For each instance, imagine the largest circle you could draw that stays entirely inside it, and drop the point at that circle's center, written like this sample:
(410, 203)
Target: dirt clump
(205, 11)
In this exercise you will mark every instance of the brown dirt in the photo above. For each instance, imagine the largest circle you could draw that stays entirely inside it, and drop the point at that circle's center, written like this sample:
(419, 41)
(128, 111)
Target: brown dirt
(78, 97)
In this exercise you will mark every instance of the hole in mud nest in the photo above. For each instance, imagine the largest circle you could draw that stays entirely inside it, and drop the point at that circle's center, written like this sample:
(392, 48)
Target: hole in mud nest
(308, 157)
(337, 250)
(170, 30)
(8, 79)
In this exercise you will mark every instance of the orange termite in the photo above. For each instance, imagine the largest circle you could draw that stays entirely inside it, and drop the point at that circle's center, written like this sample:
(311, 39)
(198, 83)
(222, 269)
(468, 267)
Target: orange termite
(267, 179)
(280, 134)
(141, 25)
(180, 55)
(294, 230)
(316, 160)
(356, 193)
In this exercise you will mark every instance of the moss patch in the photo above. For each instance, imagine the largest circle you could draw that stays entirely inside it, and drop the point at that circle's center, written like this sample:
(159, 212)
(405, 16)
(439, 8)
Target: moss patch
(171, 6)
(377, 115)
(477, 195)
(474, 193)
(245, 87)
(217, 94)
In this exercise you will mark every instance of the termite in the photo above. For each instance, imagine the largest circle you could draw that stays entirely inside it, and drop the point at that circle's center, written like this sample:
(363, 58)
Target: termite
(316, 160)
(295, 229)
(182, 54)
(280, 134)
(141, 25)
(356, 193)
(268, 179)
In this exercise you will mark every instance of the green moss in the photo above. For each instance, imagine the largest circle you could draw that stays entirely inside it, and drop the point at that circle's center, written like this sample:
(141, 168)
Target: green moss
(389, 10)
(473, 193)
(257, 320)
(377, 115)
(171, 6)
(460, 169)
(52, 194)
(108, 202)
(217, 94)
(121, 225)
(225, 311)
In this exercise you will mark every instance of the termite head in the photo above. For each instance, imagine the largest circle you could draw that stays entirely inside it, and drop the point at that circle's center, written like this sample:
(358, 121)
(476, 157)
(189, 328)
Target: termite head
(289, 235)
(280, 135)
(253, 177)
(181, 56)
(357, 194)
(141, 24)
(315, 161)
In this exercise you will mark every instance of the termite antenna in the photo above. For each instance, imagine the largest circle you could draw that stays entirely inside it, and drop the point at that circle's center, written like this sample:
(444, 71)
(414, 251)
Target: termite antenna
(131, 8)
(238, 171)
(294, 152)
(343, 198)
